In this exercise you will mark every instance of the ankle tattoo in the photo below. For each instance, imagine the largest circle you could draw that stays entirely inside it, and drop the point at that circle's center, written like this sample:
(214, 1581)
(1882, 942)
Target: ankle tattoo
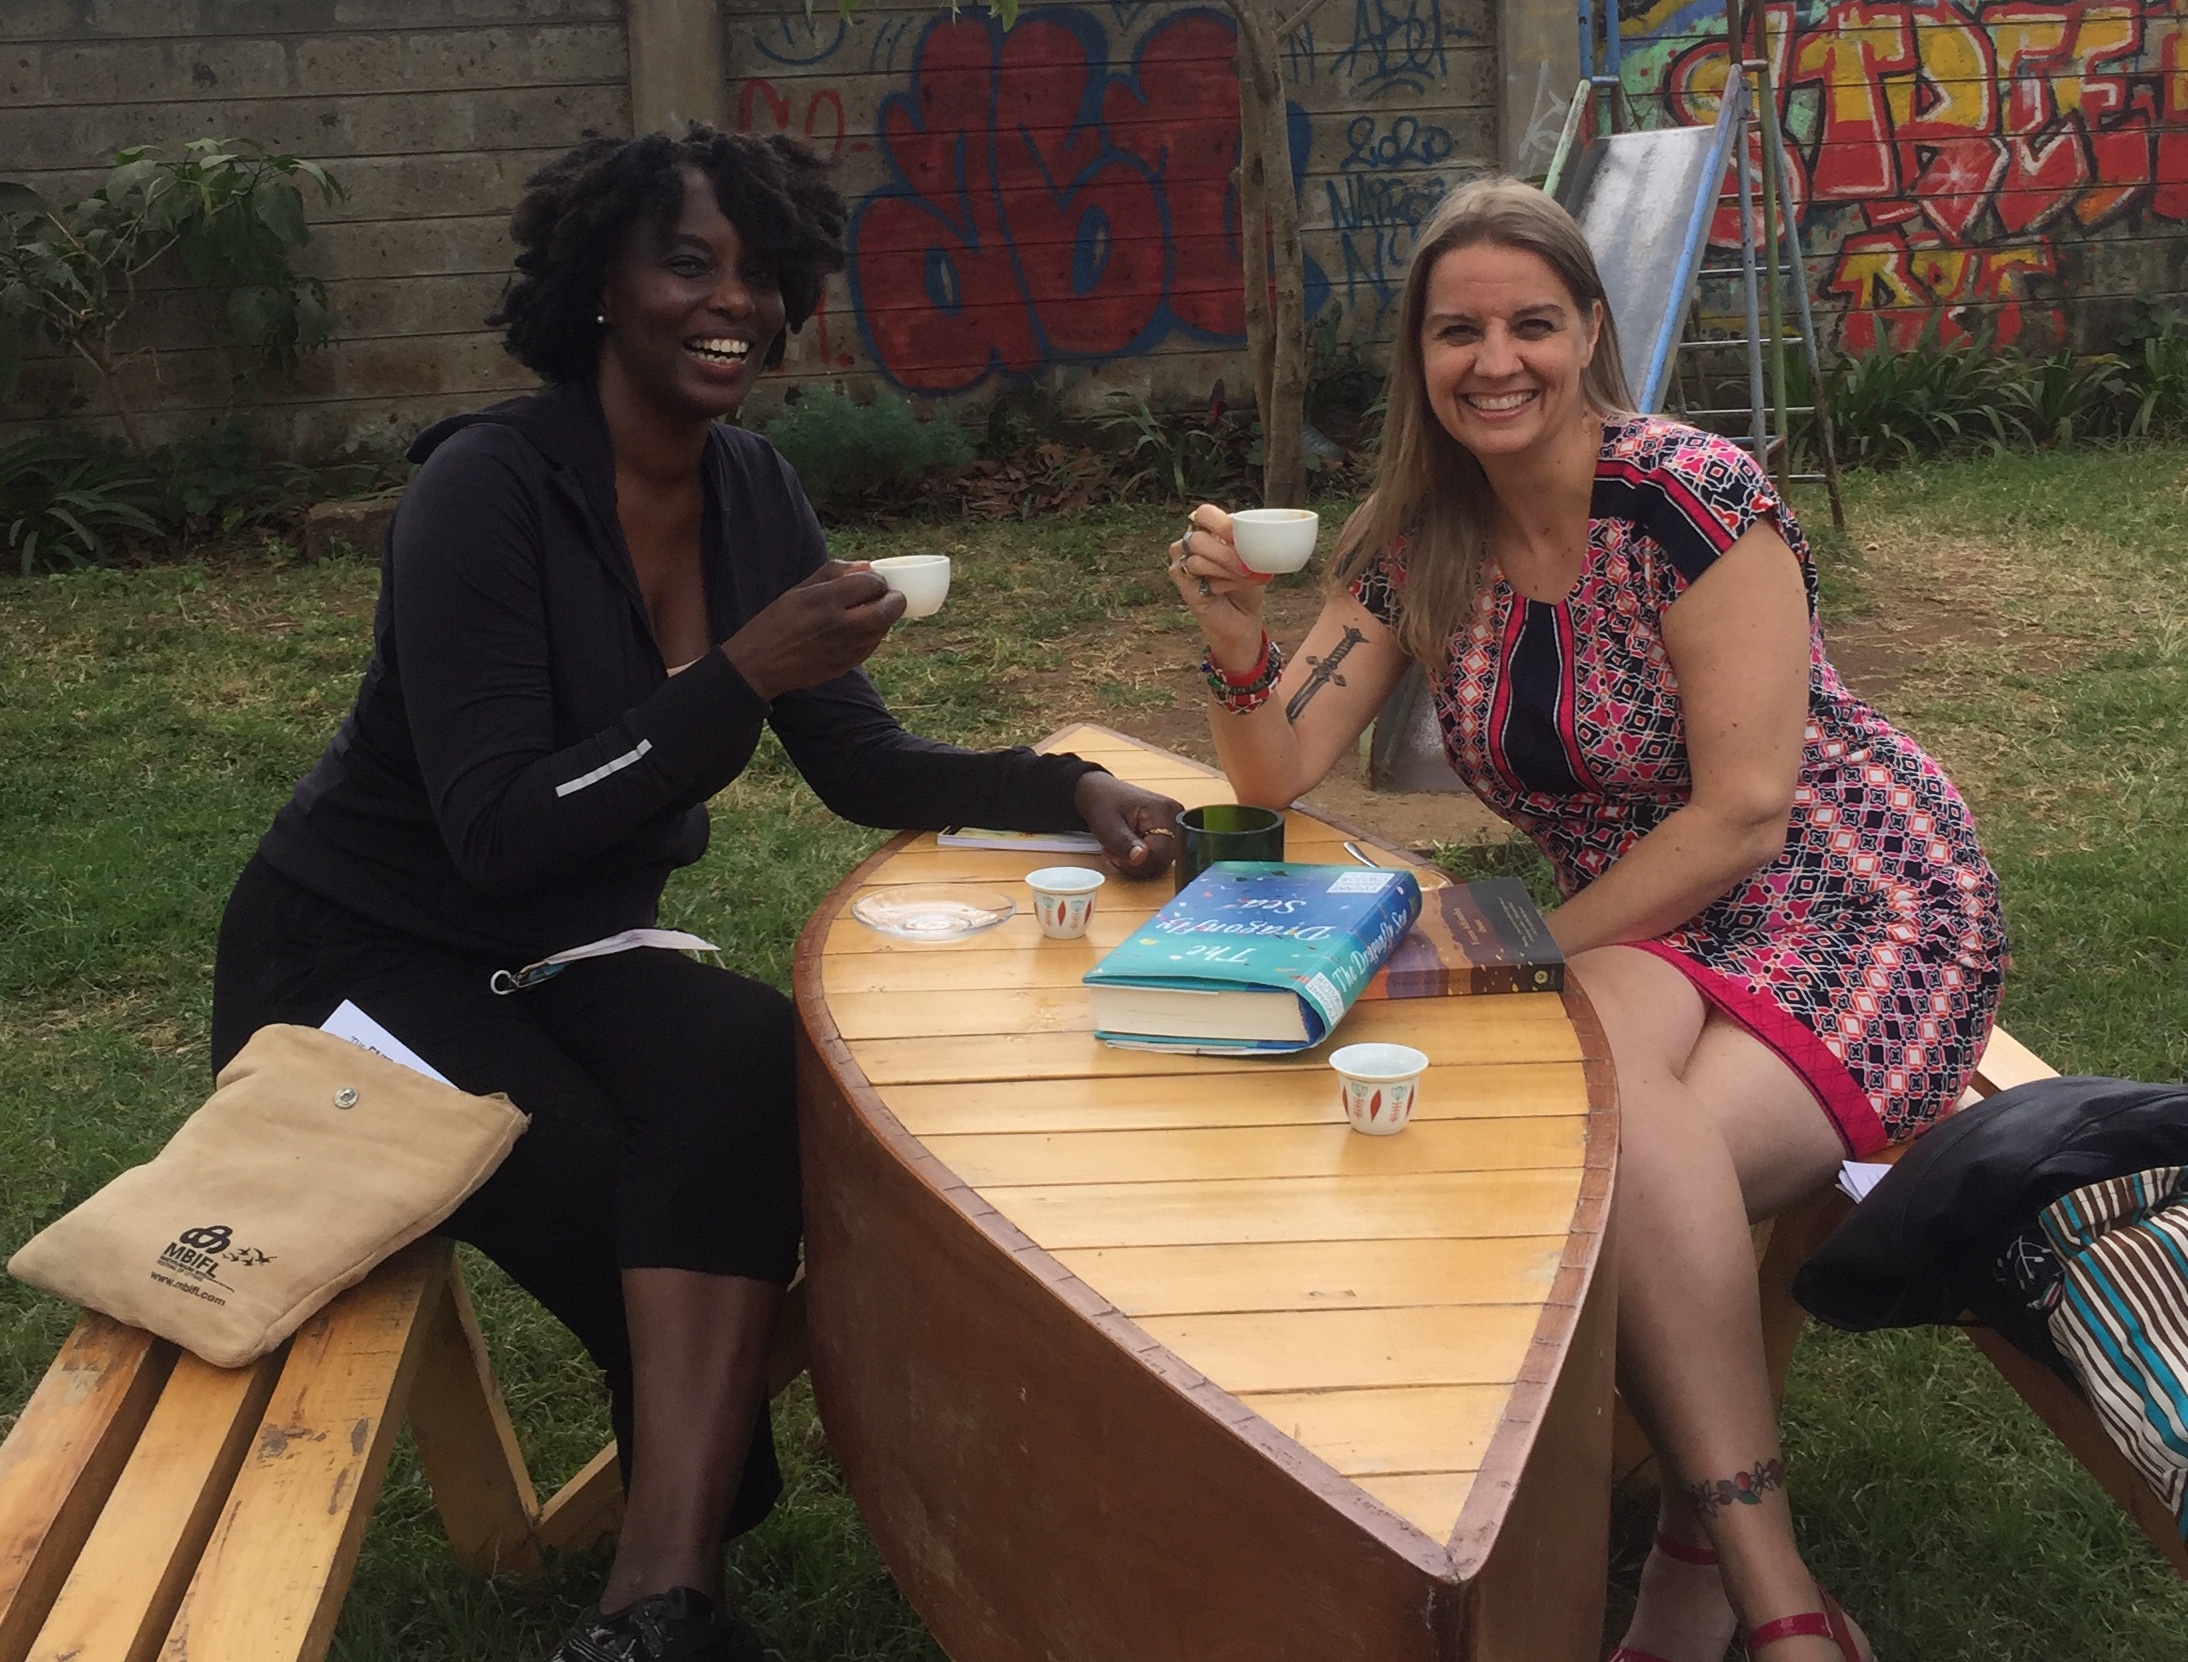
(1740, 1489)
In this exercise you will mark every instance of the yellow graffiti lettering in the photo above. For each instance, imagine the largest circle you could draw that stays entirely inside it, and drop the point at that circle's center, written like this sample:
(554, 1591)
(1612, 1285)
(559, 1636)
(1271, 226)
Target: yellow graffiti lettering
(2103, 35)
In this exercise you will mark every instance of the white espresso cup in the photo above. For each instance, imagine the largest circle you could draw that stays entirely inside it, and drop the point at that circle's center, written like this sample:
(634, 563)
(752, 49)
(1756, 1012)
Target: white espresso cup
(1274, 539)
(922, 579)
(1377, 1084)
(1063, 899)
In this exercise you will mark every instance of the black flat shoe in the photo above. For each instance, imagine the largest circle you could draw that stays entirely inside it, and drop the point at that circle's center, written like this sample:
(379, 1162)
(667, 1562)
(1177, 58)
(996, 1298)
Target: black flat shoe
(680, 1625)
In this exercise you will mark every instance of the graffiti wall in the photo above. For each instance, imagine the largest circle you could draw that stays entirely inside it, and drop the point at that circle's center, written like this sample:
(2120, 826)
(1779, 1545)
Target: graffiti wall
(1054, 202)
(2015, 171)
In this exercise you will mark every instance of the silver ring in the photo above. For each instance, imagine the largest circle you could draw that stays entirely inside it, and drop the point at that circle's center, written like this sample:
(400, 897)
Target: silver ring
(1185, 542)
(1204, 588)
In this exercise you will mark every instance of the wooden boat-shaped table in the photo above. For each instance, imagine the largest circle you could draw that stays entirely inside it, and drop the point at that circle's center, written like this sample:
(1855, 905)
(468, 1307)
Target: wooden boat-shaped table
(1141, 1358)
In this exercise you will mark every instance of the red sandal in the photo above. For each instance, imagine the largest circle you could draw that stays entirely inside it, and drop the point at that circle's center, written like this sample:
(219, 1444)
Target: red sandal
(1674, 1549)
(1827, 1623)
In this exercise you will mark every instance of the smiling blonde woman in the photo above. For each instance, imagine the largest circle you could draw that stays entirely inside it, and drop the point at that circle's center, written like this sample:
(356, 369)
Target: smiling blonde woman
(1775, 901)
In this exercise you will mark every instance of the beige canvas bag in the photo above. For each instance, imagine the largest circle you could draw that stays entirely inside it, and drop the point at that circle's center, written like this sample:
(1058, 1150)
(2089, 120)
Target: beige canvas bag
(312, 1161)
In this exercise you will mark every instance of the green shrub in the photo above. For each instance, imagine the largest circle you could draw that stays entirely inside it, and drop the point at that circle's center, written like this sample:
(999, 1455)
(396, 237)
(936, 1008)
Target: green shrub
(1891, 406)
(848, 454)
(2154, 380)
(231, 212)
(68, 498)
(62, 498)
(2061, 399)
(222, 481)
(1184, 459)
(1931, 400)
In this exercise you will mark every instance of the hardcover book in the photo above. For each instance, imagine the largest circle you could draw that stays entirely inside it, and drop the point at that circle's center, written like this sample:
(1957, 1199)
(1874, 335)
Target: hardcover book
(1481, 937)
(1253, 956)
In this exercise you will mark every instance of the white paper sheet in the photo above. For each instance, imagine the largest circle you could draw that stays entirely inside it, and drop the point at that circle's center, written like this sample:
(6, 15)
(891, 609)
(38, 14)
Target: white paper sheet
(1021, 842)
(349, 1022)
(1858, 1177)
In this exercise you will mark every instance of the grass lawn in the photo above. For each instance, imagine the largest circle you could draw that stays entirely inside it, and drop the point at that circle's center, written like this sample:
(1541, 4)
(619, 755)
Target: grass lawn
(2027, 618)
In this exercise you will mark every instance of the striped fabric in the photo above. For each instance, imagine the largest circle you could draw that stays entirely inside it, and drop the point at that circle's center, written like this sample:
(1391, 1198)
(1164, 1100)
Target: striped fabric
(2121, 1319)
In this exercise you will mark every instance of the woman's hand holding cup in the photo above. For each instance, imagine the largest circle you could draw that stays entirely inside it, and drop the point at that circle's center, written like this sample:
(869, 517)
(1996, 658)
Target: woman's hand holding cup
(1218, 589)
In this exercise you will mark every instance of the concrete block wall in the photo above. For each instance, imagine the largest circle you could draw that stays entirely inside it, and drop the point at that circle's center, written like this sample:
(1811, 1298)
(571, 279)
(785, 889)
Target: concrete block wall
(1052, 205)
(2014, 171)
(431, 112)
(1100, 259)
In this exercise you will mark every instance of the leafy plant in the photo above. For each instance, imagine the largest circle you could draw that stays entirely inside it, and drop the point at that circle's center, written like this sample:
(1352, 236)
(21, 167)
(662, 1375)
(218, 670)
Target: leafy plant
(61, 500)
(222, 481)
(1342, 381)
(232, 213)
(1188, 461)
(847, 453)
(2154, 380)
(2062, 398)
(1891, 406)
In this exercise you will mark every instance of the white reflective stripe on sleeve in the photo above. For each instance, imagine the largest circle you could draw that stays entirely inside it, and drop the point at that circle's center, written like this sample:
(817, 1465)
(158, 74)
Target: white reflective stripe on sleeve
(601, 772)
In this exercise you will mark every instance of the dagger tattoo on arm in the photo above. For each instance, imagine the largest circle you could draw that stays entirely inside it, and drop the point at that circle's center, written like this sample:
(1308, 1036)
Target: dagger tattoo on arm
(1325, 672)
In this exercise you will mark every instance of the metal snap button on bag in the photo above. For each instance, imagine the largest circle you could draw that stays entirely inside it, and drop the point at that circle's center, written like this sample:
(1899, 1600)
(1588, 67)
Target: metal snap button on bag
(346, 1097)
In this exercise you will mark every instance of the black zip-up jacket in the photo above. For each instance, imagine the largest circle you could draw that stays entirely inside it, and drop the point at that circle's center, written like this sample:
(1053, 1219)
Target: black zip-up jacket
(521, 773)
(1938, 1234)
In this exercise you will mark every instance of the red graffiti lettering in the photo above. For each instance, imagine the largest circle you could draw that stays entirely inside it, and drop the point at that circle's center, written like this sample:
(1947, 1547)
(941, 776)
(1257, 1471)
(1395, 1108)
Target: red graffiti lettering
(2170, 199)
(1854, 159)
(1895, 290)
(1036, 201)
(1944, 121)
(2119, 141)
(1182, 123)
(1941, 143)
(2047, 164)
(762, 109)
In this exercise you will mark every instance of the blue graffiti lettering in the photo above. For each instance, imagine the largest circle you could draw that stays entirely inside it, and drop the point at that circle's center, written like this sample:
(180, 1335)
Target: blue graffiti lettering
(801, 35)
(1376, 221)
(1409, 142)
(888, 36)
(1299, 57)
(1397, 46)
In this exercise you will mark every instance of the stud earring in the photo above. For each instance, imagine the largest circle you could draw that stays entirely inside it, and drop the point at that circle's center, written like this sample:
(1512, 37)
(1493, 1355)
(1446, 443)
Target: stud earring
(600, 317)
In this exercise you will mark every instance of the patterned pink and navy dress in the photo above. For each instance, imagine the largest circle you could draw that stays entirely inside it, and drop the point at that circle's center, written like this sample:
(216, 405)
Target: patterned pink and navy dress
(1870, 953)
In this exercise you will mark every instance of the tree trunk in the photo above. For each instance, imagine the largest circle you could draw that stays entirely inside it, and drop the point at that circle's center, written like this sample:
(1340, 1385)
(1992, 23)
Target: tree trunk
(102, 360)
(1253, 230)
(1283, 414)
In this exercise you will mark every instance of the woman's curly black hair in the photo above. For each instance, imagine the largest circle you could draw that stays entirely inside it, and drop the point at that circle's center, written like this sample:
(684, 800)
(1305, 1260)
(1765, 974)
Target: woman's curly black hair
(577, 210)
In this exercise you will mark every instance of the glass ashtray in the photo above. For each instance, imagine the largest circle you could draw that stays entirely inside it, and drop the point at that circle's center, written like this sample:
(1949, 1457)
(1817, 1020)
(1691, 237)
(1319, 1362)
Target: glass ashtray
(932, 911)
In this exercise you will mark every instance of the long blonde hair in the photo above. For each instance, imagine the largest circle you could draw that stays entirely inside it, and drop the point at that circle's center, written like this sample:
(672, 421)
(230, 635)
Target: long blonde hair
(1429, 489)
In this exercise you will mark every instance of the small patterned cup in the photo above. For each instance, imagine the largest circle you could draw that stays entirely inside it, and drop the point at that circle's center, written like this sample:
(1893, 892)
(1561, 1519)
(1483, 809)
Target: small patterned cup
(1377, 1084)
(1063, 899)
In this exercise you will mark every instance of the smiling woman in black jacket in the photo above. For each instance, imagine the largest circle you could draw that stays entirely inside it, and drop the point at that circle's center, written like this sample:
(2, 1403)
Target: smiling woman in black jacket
(592, 599)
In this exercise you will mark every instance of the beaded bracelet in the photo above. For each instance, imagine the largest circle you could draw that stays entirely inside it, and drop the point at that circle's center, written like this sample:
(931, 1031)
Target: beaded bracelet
(1244, 694)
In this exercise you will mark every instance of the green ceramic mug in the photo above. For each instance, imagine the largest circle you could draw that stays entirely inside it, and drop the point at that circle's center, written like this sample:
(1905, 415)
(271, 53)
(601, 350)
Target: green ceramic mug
(1226, 831)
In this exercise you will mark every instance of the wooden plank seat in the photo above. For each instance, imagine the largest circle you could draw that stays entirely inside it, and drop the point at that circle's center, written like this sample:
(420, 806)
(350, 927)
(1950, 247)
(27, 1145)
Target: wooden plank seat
(155, 1506)
(1788, 1242)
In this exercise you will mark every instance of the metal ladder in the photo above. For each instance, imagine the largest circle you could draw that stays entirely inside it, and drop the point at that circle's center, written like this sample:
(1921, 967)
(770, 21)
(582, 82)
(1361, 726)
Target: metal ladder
(1763, 279)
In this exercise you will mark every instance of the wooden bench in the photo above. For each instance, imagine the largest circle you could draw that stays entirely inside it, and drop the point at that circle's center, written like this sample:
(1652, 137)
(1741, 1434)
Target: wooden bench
(155, 1506)
(1788, 1242)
